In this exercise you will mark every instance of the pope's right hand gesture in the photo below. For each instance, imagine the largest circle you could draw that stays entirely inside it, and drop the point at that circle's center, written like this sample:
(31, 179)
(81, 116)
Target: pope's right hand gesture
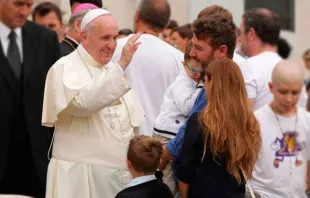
(129, 50)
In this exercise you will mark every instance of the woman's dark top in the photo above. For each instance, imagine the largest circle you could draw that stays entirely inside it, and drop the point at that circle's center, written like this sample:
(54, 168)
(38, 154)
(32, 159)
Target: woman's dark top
(151, 189)
(207, 177)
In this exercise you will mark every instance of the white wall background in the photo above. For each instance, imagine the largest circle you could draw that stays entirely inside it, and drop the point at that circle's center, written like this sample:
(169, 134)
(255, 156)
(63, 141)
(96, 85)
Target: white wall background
(299, 40)
(184, 11)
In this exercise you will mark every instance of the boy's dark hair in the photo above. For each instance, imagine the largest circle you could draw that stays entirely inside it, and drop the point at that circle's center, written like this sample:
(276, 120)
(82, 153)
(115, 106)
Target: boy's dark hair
(44, 9)
(155, 13)
(98, 3)
(283, 48)
(308, 86)
(144, 153)
(125, 31)
(265, 23)
(185, 31)
(172, 24)
(217, 29)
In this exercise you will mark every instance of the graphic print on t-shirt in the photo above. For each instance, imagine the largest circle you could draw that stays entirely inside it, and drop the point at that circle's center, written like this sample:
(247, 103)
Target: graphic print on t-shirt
(286, 147)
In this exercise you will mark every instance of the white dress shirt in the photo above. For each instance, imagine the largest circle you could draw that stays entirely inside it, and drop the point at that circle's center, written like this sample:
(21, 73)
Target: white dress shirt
(4, 36)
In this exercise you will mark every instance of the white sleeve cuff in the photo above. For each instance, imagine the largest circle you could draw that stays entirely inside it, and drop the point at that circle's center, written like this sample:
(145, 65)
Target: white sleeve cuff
(121, 70)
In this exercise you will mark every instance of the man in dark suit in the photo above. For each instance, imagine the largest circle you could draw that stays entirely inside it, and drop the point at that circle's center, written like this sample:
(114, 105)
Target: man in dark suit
(27, 51)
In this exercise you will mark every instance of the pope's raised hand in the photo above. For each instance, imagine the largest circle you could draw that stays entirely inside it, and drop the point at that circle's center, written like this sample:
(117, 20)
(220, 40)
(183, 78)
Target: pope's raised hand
(129, 50)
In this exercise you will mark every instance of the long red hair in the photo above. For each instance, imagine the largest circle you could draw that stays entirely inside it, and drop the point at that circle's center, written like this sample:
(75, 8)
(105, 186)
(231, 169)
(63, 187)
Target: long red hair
(229, 124)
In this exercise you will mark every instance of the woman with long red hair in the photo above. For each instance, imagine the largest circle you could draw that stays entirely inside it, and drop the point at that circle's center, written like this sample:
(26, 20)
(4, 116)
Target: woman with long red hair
(222, 142)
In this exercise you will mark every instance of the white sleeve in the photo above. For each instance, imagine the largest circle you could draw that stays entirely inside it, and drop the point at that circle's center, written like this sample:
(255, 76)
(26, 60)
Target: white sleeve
(98, 94)
(184, 96)
(303, 98)
(249, 79)
(307, 132)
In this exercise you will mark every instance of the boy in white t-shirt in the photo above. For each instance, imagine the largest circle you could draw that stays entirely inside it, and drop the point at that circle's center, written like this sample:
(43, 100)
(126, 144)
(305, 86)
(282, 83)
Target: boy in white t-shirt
(178, 101)
(281, 170)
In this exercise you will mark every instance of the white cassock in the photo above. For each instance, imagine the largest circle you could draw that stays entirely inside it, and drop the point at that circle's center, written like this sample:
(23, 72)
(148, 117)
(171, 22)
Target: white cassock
(94, 122)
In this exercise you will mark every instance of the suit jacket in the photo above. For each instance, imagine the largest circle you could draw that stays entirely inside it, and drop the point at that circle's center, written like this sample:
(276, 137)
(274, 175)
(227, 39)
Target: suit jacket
(67, 46)
(40, 51)
(151, 189)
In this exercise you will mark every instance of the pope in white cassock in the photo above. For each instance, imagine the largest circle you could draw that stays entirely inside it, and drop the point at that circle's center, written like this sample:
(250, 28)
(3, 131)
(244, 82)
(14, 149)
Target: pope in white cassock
(94, 112)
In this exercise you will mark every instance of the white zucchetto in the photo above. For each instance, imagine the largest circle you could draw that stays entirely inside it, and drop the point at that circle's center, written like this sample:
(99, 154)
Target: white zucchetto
(91, 15)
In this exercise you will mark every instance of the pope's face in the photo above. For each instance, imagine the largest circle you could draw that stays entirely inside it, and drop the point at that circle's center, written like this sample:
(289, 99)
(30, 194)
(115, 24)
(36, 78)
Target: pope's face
(100, 40)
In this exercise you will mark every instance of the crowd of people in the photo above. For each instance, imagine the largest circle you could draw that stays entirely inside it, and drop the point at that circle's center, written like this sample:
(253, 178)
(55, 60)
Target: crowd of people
(200, 110)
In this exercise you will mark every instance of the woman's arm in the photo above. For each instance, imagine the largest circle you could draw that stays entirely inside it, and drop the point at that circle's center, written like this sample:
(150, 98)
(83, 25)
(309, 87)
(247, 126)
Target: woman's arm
(165, 158)
(183, 188)
(190, 155)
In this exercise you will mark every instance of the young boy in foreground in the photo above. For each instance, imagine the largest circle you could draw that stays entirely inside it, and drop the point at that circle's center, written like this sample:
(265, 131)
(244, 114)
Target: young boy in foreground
(143, 158)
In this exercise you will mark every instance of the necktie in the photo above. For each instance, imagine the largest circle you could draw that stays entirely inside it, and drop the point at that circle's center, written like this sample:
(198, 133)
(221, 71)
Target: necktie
(13, 54)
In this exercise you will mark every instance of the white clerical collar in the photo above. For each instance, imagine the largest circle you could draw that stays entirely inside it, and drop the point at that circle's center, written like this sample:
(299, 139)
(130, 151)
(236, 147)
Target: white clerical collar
(72, 40)
(87, 57)
(140, 180)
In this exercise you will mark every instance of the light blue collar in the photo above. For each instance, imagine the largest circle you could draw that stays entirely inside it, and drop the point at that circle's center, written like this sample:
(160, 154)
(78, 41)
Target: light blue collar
(140, 180)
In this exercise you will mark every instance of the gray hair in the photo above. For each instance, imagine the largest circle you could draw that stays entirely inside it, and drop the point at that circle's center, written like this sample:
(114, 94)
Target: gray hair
(76, 16)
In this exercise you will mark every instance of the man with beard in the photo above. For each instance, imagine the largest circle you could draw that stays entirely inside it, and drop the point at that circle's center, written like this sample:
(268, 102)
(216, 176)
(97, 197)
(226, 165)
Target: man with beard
(94, 112)
(208, 46)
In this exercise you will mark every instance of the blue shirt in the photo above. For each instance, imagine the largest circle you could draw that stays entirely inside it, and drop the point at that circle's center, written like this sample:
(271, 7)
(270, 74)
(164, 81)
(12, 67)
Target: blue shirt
(174, 145)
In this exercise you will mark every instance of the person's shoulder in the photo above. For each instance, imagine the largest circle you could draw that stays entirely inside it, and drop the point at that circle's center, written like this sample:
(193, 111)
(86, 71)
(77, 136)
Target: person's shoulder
(161, 189)
(38, 29)
(256, 60)
(160, 45)
(170, 48)
(125, 193)
(303, 112)
(182, 79)
(67, 60)
(262, 112)
(264, 59)
(194, 118)
(122, 41)
(238, 59)
(60, 63)
(65, 47)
